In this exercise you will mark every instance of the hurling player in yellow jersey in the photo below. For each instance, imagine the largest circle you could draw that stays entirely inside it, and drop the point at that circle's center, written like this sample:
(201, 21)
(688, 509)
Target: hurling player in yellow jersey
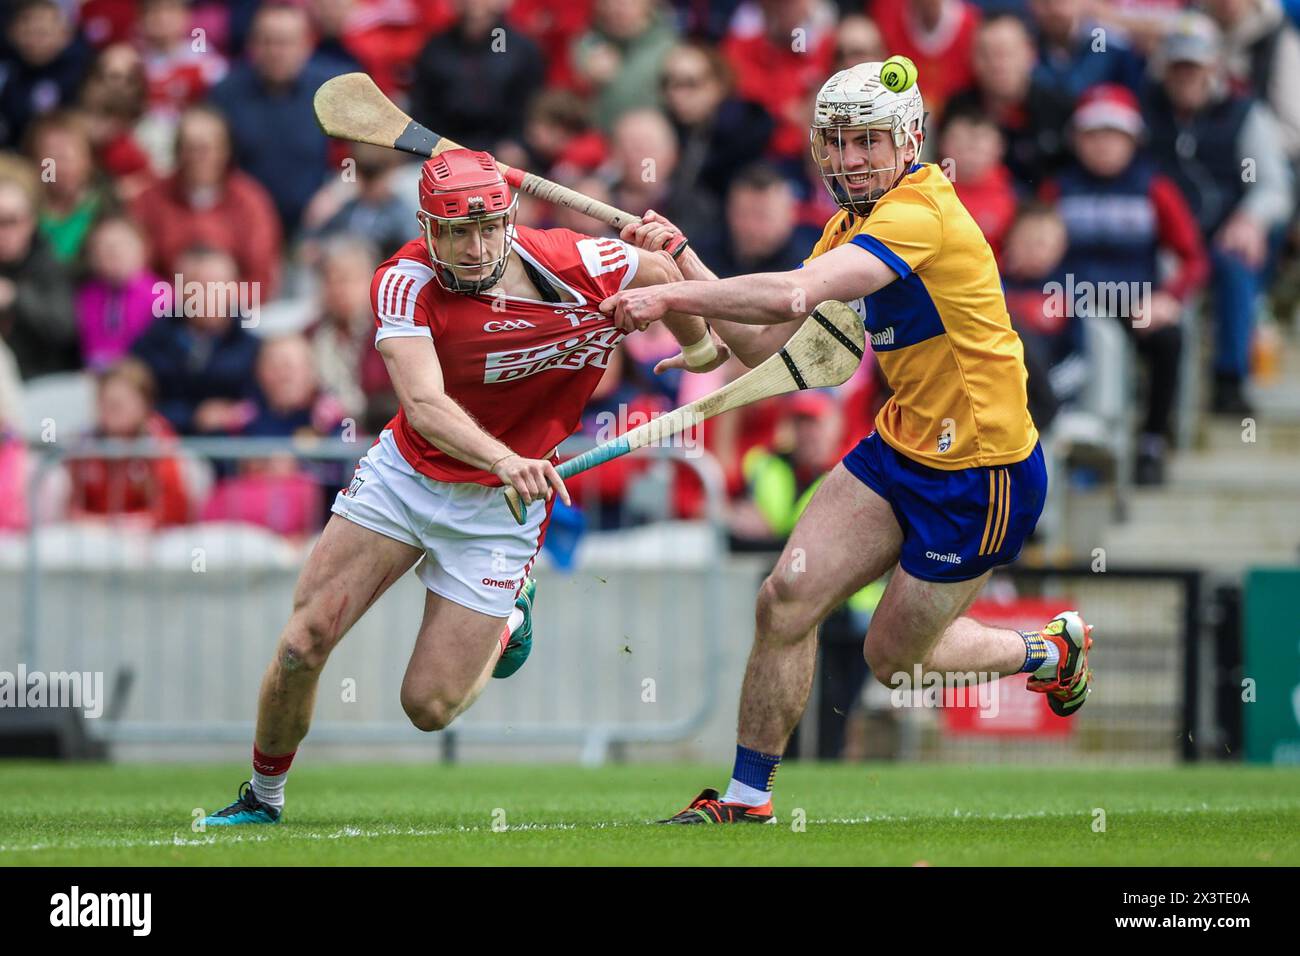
(949, 484)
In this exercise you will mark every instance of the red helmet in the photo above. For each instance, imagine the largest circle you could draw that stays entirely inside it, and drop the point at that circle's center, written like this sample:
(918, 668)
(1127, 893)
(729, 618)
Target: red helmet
(463, 186)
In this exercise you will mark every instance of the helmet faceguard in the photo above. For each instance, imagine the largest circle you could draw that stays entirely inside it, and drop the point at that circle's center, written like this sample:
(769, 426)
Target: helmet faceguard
(464, 188)
(853, 101)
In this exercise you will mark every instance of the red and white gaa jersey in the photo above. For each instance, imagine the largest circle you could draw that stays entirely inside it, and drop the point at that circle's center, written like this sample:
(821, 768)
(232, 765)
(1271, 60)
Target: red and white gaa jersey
(524, 369)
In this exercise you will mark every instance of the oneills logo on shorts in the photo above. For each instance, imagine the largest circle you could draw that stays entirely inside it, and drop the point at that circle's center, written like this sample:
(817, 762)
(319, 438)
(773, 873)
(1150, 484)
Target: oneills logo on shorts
(508, 584)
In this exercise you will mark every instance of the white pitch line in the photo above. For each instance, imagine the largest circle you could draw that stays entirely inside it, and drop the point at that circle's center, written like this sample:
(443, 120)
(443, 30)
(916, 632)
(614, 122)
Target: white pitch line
(210, 838)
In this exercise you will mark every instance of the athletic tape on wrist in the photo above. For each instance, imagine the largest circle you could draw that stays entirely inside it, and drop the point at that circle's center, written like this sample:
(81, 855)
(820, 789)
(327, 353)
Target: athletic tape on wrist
(701, 353)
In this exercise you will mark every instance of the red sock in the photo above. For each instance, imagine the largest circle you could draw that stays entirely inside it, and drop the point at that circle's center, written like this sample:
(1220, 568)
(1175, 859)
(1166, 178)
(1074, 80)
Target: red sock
(271, 765)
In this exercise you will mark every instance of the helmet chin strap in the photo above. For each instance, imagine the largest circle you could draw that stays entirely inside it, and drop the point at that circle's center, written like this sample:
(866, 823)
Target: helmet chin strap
(456, 284)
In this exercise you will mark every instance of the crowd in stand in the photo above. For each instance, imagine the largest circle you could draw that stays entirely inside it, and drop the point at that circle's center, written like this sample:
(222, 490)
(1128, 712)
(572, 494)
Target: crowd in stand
(157, 143)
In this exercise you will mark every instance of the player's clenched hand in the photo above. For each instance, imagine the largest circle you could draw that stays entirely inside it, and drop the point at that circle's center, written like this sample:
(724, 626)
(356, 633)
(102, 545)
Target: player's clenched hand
(652, 234)
(636, 308)
(532, 478)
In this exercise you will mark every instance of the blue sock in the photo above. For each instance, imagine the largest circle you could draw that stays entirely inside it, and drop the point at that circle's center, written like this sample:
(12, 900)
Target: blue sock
(1038, 652)
(752, 777)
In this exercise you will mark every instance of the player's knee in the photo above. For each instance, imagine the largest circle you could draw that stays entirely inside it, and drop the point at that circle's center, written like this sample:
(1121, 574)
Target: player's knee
(781, 614)
(887, 663)
(306, 643)
(429, 714)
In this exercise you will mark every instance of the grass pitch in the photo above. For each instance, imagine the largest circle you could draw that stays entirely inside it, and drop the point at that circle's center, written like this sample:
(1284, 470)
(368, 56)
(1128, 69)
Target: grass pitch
(872, 814)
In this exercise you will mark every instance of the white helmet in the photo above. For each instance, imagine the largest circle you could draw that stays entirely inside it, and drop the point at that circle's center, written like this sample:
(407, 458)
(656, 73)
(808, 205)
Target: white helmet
(855, 99)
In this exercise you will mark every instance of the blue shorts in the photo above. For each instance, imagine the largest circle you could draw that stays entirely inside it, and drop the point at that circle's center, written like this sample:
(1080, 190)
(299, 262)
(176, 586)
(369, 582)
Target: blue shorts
(956, 524)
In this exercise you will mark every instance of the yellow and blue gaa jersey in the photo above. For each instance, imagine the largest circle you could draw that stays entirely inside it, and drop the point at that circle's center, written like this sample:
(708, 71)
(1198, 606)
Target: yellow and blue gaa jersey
(940, 331)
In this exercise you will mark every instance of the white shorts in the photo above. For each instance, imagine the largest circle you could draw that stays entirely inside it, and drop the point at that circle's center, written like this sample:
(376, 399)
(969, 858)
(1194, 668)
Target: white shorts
(474, 552)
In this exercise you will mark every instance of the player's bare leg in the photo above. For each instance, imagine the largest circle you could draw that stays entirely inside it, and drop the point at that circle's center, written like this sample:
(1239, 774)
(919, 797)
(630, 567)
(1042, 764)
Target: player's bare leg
(845, 539)
(917, 622)
(346, 572)
(453, 658)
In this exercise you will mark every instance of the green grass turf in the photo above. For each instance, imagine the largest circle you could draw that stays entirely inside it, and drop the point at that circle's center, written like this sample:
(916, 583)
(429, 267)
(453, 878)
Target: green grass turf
(855, 814)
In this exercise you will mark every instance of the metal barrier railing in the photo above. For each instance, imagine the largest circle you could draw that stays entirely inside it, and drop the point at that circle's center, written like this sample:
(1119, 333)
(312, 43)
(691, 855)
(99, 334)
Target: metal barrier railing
(187, 617)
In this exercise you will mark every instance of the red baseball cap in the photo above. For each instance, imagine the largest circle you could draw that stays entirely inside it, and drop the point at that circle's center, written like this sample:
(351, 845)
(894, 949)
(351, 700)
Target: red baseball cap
(1108, 106)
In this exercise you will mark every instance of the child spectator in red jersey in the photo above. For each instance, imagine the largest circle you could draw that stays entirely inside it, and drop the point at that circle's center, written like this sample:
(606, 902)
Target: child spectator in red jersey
(146, 490)
(1120, 213)
(970, 150)
(180, 67)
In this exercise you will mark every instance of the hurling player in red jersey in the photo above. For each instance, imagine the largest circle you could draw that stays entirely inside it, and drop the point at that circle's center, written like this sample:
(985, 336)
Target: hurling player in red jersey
(494, 340)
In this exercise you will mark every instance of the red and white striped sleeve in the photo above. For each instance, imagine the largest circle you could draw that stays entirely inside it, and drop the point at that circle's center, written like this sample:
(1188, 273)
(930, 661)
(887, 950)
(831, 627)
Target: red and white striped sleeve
(612, 263)
(396, 301)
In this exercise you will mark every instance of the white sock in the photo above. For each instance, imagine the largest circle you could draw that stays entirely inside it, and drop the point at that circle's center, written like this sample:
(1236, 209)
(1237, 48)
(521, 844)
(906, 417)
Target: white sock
(738, 792)
(270, 790)
(515, 620)
(1048, 668)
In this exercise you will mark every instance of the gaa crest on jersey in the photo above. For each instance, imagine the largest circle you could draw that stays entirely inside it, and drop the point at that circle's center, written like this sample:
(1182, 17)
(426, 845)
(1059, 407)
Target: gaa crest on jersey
(947, 427)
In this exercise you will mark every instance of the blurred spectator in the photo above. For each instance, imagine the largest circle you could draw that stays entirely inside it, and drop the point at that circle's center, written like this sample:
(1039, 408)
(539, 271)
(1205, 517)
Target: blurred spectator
(180, 67)
(1224, 151)
(278, 492)
(781, 479)
(644, 156)
(1028, 111)
(857, 40)
(597, 187)
(1144, 22)
(268, 104)
(781, 52)
(113, 105)
(938, 36)
(13, 451)
(1075, 52)
(151, 490)
(370, 207)
(475, 79)
(343, 333)
(1262, 56)
(208, 202)
(290, 402)
(621, 57)
(330, 20)
(760, 234)
(37, 321)
(1032, 260)
(387, 36)
(970, 147)
(717, 133)
(202, 358)
(59, 144)
(1121, 213)
(43, 68)
(554, 27)
(116, 302)
(558, 136)
(105, 22)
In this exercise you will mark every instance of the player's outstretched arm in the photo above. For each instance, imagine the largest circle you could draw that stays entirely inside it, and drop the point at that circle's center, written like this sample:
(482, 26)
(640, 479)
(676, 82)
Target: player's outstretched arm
(701, 350)
(416, 374)
(751, 344)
